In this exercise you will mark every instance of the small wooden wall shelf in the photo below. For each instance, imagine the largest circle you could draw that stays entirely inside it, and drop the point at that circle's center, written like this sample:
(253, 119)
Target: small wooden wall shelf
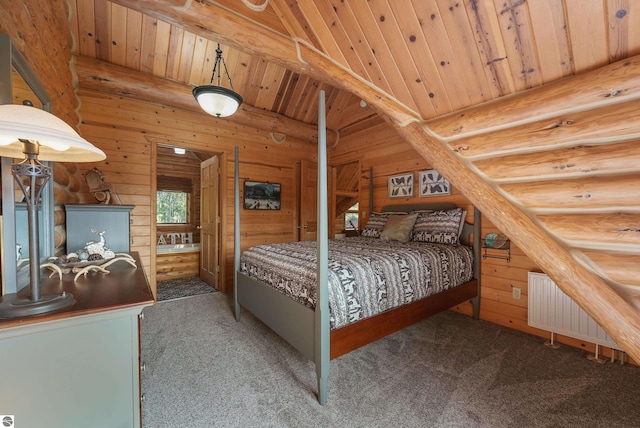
(502, 253)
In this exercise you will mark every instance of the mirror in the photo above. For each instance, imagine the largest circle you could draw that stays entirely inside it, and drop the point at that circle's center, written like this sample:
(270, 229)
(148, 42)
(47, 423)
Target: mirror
(19, 85)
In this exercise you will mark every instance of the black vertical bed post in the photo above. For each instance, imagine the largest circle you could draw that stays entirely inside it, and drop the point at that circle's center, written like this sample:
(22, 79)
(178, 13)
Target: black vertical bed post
(322, 293)
(475, 302)
(236, 231)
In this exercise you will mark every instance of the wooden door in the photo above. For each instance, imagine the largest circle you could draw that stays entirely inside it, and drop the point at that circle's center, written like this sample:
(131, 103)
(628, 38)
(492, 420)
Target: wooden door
(210, 221)
(308, 201)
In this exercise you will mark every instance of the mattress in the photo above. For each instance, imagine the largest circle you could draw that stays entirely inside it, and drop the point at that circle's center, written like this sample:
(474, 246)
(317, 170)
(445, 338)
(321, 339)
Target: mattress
(366, 276)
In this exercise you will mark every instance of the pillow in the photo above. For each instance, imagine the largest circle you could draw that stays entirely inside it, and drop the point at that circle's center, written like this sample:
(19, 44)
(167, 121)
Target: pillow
(398, 227)
(374, 225)
(439, 227)
(376, 222)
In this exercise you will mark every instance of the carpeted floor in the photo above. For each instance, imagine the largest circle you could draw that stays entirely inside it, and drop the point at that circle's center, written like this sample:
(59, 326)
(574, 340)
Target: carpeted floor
(204, 369)
(182, 287)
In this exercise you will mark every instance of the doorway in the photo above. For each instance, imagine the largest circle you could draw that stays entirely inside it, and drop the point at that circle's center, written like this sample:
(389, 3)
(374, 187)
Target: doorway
(187, 211)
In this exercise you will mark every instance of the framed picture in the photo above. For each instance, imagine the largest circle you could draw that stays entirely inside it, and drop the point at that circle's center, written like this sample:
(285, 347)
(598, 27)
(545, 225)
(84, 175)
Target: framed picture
(401, 185)
(433, 184)
(261, 195)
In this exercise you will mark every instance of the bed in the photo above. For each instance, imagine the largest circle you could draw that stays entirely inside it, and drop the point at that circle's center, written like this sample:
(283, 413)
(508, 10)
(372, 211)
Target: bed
(309, 324)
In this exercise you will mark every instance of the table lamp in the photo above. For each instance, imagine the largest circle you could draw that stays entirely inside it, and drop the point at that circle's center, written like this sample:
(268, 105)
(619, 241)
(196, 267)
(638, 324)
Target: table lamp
(34, 134)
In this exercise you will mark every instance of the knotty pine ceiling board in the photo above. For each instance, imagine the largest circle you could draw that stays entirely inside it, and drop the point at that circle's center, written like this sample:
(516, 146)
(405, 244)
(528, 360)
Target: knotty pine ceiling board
(587, 25)
(462, 39)
(488, 49)
(484, 21)
(513, 18)
(408, 75)
(389, 68)
(551, 39)
(268, 17)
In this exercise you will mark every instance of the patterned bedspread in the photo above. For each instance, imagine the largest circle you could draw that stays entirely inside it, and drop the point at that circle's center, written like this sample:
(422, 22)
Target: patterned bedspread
(366, 275)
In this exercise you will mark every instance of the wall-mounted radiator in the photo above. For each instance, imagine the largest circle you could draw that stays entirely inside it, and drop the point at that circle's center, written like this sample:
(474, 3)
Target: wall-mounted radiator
(550, 309)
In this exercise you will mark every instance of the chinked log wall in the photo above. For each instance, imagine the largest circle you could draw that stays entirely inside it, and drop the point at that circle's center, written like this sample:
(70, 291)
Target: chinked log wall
(383, 149)
(581, 219)
(127, 130)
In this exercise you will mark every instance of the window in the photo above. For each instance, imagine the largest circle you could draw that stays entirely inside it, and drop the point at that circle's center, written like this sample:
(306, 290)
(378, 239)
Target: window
(172, 207)
(351, 218)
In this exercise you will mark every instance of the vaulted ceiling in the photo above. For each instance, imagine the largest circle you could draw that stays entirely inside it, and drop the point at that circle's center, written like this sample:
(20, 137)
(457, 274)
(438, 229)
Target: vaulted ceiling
(431, 57)
(514, 101)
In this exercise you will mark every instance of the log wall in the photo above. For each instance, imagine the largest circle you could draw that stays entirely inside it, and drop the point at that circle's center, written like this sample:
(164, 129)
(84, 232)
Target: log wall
(127, 130)
(381, 148)
(177, 265)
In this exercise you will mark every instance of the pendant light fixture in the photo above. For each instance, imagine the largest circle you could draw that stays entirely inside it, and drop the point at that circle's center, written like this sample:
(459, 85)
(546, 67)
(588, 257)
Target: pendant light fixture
(214, 99)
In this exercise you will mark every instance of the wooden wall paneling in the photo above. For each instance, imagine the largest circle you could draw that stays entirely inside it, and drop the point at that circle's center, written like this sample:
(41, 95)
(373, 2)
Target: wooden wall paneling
(121, 127)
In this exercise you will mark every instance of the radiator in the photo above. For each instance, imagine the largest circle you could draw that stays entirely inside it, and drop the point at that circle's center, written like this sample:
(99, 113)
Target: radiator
(550, 309)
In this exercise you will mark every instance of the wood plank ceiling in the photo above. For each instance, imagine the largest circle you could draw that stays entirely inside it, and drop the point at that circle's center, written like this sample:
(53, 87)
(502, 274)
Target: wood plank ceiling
(434, 57)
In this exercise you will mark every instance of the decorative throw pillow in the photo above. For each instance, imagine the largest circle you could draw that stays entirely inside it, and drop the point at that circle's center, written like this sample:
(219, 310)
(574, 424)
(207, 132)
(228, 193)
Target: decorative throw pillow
(374, 225)
(440, 227)
(398, 227)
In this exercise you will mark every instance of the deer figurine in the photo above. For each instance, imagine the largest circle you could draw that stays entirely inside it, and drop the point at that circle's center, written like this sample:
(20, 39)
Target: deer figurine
(96, 247)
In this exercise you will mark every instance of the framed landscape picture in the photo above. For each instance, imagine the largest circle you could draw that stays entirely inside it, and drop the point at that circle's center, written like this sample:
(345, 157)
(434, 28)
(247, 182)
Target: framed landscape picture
(261, 195)
(431, 183)
(401, 185)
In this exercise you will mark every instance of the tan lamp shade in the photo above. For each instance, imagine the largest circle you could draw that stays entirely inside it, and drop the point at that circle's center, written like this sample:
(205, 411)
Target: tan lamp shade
(57, 141)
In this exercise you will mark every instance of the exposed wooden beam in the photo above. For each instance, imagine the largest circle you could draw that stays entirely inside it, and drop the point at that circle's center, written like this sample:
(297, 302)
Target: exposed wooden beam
(214, 22)
(606, 86)
(101, 76)
(619, 318)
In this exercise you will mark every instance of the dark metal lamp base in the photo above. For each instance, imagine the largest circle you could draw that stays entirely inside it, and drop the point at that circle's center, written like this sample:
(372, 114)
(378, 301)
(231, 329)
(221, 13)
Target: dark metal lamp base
(12, 306)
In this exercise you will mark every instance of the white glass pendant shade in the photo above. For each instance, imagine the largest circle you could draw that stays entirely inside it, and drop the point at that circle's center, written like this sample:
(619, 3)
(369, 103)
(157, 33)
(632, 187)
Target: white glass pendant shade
(216, 100)
(57, 141)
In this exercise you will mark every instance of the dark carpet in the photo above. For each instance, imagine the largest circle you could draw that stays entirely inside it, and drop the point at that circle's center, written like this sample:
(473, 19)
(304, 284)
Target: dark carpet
(204, 369)
(182, 287)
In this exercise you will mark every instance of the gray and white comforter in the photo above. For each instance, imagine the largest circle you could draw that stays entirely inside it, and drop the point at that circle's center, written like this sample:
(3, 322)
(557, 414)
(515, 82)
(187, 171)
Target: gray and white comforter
(367, 276)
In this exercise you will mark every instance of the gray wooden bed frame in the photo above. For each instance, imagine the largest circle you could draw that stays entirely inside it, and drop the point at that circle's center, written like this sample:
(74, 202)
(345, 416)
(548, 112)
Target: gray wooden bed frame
(309, 330)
